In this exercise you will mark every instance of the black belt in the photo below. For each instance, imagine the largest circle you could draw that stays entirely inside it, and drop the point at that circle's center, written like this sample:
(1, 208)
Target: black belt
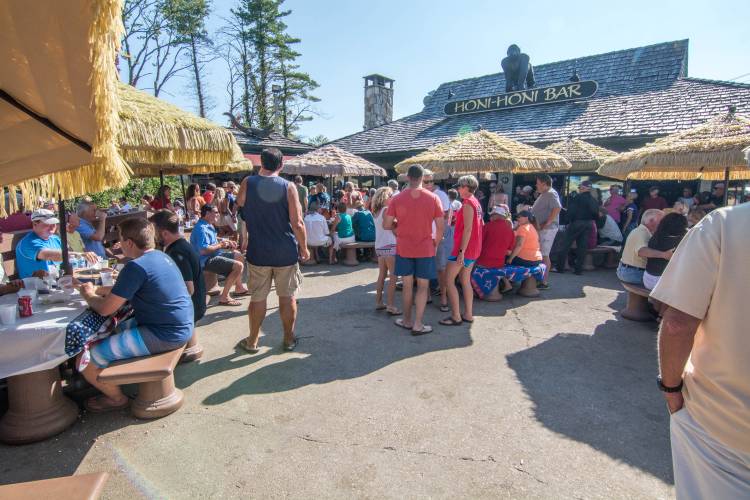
(632, 267)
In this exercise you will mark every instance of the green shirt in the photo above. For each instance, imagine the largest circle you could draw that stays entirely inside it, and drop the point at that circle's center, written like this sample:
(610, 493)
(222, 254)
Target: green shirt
(302, 193)
(344, 228)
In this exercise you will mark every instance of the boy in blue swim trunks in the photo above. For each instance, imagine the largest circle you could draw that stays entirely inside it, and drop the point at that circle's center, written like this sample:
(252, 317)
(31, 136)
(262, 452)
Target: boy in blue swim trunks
(163, 320)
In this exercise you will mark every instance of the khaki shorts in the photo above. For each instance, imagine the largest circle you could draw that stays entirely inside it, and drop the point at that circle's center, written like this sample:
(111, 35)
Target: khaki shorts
(546, 239)
(287, 280)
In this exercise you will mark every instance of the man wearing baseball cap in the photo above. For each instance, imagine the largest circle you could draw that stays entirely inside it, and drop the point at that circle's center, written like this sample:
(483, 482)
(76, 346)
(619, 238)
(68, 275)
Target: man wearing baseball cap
(582, 211)
(41, 249)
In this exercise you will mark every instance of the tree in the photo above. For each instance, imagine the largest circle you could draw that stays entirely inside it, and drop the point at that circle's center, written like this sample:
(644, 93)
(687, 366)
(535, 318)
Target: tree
(318, 140)
(187, 18)
(295, 99)
(151, 46)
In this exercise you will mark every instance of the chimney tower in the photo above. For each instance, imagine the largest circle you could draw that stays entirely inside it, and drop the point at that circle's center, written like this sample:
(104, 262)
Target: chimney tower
(378, 101)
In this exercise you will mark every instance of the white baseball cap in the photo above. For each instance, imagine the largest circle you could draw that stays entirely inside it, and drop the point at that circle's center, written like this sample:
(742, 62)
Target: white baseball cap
(501, 210)
(45, 216)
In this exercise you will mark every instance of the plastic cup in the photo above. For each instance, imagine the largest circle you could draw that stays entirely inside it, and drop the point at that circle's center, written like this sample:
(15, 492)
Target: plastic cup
(29, 283)
(8, 314)
(107, 278)
(66, 284)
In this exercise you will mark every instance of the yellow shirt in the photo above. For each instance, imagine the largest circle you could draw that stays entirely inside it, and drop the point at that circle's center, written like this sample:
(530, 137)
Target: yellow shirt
(637, 239)
(75, 243)
(708, 278)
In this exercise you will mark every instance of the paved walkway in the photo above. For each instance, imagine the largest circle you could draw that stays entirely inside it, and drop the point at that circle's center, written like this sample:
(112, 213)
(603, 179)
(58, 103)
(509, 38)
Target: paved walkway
(539, 398)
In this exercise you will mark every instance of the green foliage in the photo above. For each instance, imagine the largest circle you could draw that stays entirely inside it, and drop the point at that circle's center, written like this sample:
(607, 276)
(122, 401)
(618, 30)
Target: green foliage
(135, 189)
(318, 140)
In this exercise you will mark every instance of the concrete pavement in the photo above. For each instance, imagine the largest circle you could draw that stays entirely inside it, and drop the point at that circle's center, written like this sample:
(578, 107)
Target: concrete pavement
(539, 398)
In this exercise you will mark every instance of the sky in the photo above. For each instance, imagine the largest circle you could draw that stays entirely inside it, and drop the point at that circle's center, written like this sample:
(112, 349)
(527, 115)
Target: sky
(422, 43)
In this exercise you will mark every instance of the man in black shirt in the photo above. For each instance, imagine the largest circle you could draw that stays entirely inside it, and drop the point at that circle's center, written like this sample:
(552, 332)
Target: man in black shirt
(582, 210)
(184, 255)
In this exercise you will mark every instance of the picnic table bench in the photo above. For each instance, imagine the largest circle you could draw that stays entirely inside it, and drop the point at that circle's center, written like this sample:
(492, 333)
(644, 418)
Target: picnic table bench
(636, 308)
(350, 251)
(157, 394)
(83, 487)
(609, 252)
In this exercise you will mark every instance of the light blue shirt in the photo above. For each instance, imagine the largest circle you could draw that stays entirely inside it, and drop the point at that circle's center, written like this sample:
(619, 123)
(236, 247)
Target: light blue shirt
(28, 249)
(203, 235)
(86, 230)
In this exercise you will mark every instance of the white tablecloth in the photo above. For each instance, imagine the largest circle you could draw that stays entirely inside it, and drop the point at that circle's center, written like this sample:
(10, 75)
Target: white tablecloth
(37, 342)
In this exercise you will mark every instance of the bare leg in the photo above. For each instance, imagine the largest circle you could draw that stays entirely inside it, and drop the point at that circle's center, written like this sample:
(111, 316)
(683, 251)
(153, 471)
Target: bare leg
(442, 276)
(230, 280)
(547, 262)
(450, 283)
(239, 284)
(112, 392)
(407, 296)
(382, 272)
(256, 313)
(288, 314)
(423, 292)
(391, 292)
(468, 292)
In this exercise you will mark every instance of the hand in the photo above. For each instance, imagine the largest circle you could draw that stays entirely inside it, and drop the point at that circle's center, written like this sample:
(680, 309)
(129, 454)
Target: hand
(460, 258)
(39, 274)
(668, 254)
(16, 284)
(87, 290)
(101, 214)
(90, 257)
(675, 401)
(304, 254)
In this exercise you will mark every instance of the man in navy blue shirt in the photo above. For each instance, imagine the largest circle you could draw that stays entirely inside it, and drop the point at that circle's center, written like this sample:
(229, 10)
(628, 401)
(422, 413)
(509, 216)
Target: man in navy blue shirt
(163, 320)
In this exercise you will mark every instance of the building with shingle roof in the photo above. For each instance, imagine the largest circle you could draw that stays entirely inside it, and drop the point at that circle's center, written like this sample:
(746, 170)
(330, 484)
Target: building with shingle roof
(643, 93)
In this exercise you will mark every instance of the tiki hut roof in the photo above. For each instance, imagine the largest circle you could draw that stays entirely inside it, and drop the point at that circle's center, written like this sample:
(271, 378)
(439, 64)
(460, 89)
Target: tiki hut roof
(156, 135)
(705, 151)
(582, 155)
(331, 161)
(485, 151)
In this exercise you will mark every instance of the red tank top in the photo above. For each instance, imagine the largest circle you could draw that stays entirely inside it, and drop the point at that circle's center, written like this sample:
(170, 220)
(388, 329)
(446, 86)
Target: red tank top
(474, 248)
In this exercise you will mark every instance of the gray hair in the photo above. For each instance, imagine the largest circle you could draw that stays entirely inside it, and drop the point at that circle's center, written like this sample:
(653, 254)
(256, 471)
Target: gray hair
(469, 181)
(83, 207)
(393, 184)
(650, 214)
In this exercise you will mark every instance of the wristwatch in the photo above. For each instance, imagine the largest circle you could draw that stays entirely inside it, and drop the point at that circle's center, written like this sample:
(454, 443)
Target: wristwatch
(664, 388)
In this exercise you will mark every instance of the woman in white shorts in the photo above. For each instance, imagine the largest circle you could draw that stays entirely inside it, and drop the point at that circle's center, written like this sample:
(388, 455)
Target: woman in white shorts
(385, 249)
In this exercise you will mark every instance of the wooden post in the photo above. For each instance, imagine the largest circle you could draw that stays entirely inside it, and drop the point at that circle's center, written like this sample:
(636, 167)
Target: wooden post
(726, 188)
(67, 269)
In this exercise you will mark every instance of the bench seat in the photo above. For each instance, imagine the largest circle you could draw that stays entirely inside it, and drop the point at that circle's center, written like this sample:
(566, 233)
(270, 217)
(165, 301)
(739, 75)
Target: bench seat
(350, 251)
(611, 257)
(83, 487)
(636, 308)
(157, 394)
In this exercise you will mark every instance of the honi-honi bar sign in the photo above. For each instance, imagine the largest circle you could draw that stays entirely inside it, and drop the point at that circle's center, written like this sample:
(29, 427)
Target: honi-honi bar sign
(521, 98)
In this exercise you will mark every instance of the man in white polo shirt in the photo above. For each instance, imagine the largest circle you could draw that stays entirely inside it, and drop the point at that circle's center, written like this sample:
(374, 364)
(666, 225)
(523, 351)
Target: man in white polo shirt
(704, 356)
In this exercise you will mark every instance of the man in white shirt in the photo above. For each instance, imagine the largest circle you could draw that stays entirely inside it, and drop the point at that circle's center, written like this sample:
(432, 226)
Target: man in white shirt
(703, 356)
(610, 233)
(316, 226)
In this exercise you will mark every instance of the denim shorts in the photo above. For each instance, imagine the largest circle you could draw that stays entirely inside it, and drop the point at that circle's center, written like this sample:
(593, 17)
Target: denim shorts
(630, 274)
(444, 249)
(467, 262)
(419, 267)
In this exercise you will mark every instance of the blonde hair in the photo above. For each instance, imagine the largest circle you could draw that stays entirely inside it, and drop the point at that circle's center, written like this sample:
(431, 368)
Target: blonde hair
(379, 199)
(219, 193)
(469, 181)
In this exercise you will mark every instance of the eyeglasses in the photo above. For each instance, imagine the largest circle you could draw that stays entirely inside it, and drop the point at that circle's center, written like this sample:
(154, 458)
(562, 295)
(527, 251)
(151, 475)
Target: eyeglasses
(429, 182)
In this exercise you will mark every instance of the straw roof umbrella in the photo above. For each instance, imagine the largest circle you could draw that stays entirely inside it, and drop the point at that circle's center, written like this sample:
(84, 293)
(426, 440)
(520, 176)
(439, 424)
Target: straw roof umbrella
(58, 103)
(582, 155)
(331, 161)
(710, 151)
(157, 137)
(485, 151)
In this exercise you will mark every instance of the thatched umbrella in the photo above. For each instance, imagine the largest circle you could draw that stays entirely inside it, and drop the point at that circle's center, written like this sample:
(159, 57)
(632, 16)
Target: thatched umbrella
(58, 102)
(158, 138)
(331, 161)
(711, 151)
(582, 155)
(485, 151)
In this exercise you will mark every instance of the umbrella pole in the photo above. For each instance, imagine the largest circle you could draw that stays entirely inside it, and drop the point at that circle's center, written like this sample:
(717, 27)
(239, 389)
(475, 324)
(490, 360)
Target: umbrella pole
(726, 188)
(182, 185)
(161, 178)
(64, 236)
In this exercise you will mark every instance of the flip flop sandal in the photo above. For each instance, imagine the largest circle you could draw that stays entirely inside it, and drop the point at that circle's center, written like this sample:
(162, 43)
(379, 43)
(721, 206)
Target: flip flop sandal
(292, 346)
(467, 320)
(425, 330)
(230, 302)
(400, 323)
(450, 321)
(394, 312)
(241, 294)
(242, 344)
(98, 404)
(214, 292)
(381, 307)
(445, 308)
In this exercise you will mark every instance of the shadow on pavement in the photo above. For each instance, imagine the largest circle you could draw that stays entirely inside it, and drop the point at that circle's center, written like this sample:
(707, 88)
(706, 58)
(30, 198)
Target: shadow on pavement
(336, 343)
(600, 390)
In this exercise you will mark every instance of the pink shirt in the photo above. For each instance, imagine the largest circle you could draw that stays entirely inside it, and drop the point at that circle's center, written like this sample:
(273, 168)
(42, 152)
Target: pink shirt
(414, 216)
(474, 247)
(613, 206)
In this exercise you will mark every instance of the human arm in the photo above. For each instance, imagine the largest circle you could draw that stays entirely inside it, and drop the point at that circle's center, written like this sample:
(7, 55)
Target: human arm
(552, 217)
(297, 222)
(105, 305)
(628, 218)
(468, 219)
(676, 337)
(242, 193)
(52, 254)
(101, 223)
(517, 248)
(651, 253)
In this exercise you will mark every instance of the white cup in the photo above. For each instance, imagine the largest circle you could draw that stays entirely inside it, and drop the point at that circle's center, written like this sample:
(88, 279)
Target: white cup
(8, 314)
(66, 284)
(107, 279)
(30, 283)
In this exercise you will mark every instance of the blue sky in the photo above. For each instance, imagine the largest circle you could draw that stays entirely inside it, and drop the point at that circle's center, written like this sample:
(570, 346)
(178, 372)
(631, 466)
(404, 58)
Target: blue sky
(422, 43)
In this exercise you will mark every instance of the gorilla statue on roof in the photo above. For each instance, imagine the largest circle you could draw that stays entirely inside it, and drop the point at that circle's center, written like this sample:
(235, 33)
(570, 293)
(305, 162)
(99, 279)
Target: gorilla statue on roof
(519, 74)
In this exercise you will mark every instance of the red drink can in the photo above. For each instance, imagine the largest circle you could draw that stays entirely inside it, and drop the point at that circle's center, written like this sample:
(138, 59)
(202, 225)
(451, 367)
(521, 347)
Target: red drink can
(24, 307)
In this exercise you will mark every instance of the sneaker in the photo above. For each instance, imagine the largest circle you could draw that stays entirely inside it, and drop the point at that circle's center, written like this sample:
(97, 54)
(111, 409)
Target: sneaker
(542, 286)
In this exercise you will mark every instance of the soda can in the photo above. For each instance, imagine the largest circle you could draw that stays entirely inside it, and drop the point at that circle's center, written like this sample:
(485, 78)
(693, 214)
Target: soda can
(24, 307)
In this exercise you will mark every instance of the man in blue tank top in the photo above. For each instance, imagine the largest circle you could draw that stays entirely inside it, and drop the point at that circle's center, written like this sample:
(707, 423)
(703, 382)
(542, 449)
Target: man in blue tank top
(277, 242)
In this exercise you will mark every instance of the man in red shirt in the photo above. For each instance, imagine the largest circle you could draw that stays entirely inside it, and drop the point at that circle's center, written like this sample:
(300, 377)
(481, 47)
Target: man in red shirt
(654, 200)
(411, 214)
